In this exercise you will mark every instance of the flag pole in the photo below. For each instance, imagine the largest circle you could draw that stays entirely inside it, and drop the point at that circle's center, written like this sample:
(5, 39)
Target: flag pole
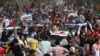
(15, 32)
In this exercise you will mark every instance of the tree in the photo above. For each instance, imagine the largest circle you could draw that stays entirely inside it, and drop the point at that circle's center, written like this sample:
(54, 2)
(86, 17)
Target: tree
(2, 2)
(80, 2)
(97, 1)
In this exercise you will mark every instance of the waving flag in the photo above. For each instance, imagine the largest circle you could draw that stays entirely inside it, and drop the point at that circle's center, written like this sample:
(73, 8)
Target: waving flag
(53, 16)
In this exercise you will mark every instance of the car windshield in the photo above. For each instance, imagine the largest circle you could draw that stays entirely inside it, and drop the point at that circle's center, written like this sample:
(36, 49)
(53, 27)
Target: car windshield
(75, 28)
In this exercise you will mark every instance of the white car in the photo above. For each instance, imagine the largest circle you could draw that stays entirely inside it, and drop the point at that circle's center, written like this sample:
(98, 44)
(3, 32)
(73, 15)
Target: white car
(12, 35)
(11, 28)
(65, 30)
(75, 27)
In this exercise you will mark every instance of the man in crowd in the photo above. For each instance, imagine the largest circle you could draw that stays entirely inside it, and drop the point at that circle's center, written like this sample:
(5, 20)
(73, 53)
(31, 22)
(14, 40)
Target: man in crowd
(34, 43)
(45, 45)
(58, 50)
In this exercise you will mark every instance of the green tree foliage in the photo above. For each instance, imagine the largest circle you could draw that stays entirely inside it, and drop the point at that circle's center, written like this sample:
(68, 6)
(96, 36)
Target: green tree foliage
(2, 2)
(97, 1)
(80, 2)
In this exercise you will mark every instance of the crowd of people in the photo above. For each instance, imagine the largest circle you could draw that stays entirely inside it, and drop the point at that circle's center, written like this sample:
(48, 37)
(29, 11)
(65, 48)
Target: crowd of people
(51, 17)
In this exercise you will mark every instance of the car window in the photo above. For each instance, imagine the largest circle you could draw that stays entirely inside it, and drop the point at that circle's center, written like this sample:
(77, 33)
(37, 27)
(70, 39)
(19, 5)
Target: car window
(68, 27)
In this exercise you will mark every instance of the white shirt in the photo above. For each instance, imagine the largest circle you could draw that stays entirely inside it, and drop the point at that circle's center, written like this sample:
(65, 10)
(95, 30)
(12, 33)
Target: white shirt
(25, 31)
(63, 42)
(7, 22)
(38, 52)
(1, 29)
(97, 53)
(46, 21)
(21, 42)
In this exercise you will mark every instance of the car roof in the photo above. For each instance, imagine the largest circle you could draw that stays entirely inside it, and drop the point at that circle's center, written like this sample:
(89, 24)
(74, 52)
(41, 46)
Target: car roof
(11, 28)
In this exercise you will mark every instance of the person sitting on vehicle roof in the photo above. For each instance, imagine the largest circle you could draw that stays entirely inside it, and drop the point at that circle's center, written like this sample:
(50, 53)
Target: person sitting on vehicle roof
(80, 17)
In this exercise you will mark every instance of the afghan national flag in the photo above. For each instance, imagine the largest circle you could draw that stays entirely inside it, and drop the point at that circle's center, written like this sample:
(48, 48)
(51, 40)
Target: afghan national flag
(13, 22)
(17, 21)
(53, 16)
(26, 6)
(88, 38)
(90, 33)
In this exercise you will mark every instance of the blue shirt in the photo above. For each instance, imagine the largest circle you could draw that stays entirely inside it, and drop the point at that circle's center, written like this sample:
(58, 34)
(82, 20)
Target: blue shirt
(44, 46)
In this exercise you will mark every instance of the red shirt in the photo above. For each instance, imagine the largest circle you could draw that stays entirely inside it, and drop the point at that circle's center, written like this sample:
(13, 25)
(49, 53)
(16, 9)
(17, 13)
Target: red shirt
(2, 51)
(98, 32)
(90, 33)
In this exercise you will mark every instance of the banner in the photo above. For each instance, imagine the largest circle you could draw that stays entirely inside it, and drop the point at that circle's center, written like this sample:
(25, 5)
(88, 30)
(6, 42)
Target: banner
(26, 17)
